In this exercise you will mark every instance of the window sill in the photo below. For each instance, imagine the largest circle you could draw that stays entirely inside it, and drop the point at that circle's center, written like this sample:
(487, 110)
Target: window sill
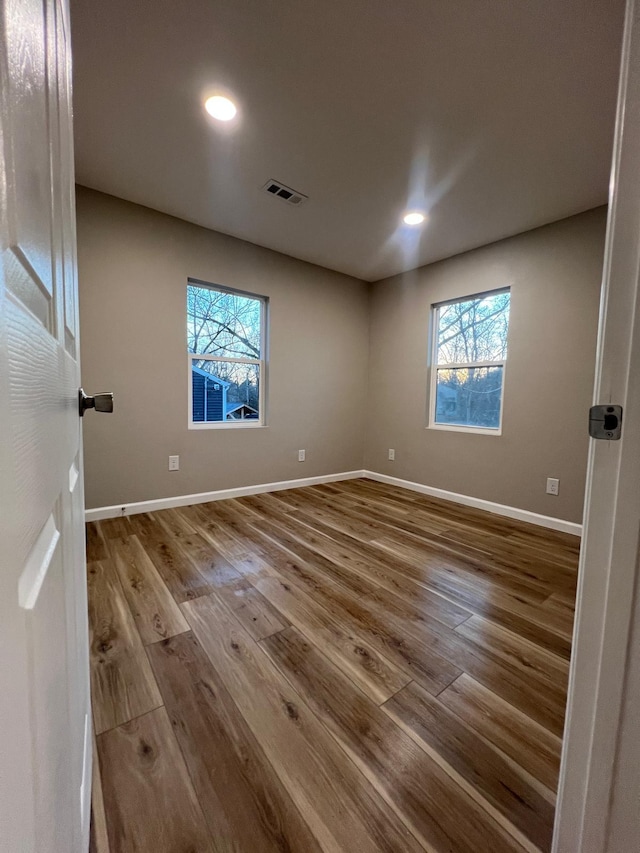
(237, 425)
(472, 430)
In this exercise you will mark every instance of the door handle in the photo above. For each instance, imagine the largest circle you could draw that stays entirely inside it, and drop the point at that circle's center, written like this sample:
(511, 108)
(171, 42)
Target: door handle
(100, 402)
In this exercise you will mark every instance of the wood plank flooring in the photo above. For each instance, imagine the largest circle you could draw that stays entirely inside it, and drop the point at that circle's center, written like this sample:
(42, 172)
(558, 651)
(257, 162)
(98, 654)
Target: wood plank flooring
(343, 667)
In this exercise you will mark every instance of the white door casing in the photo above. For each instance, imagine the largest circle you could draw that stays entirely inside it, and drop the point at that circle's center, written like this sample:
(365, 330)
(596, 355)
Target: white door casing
(594, 758)
(45, 720)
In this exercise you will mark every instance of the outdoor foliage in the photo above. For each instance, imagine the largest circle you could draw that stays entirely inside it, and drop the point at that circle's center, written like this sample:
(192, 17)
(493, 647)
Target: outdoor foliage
(226, 325)
(474, 330)
(470, 332)
(222, 324)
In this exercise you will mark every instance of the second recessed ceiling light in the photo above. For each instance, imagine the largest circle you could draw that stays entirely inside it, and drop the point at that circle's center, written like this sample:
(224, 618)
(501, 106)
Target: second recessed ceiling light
(221, 108)
(414, 218)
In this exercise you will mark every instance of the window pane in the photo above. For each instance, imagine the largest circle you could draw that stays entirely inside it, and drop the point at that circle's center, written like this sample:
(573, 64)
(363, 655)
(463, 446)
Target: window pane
(223, 324)
(224, 391)
(469, 396)
(474, 330)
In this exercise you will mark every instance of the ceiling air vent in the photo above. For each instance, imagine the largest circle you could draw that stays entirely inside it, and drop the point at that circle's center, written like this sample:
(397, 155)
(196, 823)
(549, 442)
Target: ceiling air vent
(284, 193)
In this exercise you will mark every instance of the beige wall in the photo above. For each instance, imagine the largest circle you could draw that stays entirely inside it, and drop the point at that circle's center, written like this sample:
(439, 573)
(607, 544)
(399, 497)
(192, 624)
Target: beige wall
(554, 273)
(133, 267)
(328, 333)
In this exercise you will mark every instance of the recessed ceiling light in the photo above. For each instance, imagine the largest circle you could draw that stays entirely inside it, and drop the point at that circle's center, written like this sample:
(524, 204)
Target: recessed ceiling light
(414, 218)
(220, 108)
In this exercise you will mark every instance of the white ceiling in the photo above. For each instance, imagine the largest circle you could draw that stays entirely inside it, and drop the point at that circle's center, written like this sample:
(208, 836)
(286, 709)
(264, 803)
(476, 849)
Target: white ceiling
(495, 115)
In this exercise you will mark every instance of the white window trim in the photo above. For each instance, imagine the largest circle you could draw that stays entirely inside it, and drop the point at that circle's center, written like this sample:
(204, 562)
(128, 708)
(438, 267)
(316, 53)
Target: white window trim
(433, 375)
(260, 423)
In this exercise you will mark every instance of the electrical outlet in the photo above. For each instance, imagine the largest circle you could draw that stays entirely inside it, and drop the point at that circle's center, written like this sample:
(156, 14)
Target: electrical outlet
(302, 455)
(553, 486)
(174, 463)
(392, 454)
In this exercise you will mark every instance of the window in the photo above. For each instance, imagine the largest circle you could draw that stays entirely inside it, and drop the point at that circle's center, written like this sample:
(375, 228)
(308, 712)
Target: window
(226, 357)
(468, 360)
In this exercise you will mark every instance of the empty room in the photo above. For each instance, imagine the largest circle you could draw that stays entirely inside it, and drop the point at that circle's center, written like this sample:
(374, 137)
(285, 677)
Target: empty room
(320, 433)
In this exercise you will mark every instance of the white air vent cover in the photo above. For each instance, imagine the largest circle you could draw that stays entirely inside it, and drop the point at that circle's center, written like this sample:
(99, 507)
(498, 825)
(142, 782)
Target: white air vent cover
(275, 188)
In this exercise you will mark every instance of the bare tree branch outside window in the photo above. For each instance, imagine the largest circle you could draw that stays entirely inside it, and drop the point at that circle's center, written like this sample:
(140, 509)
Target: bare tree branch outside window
(226, 325)
(471, 350)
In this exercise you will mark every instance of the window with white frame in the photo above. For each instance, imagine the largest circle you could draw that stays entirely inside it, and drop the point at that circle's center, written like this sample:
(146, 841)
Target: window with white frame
(468, 361)
(226, 341)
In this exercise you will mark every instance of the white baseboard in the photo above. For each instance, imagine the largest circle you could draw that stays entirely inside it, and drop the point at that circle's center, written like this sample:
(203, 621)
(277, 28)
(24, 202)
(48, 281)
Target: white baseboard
(223, 494)
(489, 506)
(204, 497)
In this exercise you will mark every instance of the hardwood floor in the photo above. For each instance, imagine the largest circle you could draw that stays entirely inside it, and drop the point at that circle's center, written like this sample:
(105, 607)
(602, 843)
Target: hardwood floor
(344, 667)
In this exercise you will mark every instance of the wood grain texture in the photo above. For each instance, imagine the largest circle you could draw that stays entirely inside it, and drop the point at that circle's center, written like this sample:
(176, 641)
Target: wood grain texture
(342, 810)
(406, 776)
(381, 620)
(399, 575)
(478, 764)
(254, 612)
(97, 548)
(345, 666)
(174, 523)
(98, 835)
(122, 684)
(369, 567)
(208, 561)
(178, 572)
(373, 673)
(413, 640)
(245, 804)
(115, 528)
(154, 609)
(530, 745)
(145, 522)
(214, 531)
(149, 799)
(536, 663)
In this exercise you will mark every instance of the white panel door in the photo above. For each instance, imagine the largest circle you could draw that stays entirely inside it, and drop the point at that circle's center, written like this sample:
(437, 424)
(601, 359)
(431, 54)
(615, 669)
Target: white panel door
(45, 722)
(599, 793)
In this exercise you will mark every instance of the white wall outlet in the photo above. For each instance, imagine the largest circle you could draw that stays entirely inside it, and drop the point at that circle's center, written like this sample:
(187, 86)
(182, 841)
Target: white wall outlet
(174, 463)
(553, 486)
(302, 455)
(392, 454)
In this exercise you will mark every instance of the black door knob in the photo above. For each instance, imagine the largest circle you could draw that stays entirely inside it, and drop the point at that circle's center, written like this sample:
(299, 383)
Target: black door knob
(100, 402)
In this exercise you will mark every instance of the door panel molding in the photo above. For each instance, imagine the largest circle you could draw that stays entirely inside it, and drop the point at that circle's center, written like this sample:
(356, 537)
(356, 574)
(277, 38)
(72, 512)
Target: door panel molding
(37, 565)
(608, 564)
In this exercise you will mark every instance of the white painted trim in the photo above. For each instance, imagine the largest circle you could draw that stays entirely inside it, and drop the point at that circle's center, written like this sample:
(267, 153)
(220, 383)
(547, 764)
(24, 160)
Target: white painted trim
(489, 506)
(240, 424)
(262, 363)
(206, 356)
(599, 790)
(434, 366)
(37, 564)
(85, 785)
(473, 430)
(231, 424)
(469, 365)
(222, 494)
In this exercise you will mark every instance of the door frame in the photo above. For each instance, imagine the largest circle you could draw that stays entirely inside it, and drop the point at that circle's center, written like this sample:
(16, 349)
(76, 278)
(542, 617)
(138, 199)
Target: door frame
(607, 584)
